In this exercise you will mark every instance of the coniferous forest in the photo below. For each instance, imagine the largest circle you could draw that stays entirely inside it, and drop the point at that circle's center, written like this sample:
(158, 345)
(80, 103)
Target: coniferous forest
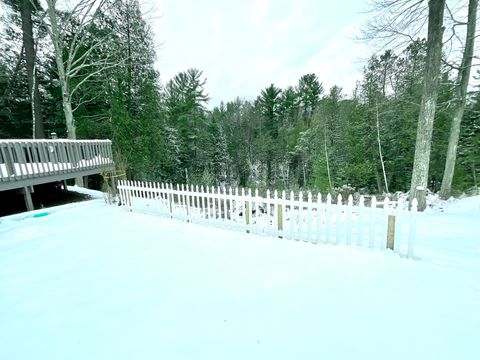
(93, 77)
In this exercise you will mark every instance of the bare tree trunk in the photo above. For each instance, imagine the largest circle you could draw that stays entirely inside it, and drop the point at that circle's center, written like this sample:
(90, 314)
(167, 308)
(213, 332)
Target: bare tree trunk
(57, 44)
(460, 100)
(29, 46)
(429, 101)
(380, 152)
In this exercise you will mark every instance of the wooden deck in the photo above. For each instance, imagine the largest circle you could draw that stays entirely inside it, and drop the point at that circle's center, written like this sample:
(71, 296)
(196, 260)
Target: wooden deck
(25, 163)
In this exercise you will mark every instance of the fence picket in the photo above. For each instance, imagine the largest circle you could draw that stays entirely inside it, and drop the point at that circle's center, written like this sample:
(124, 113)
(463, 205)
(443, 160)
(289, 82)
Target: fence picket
(161, 195)
(383, 227)
(219, 203)
(214, 206)
(244, 212)
(126, 193)
(399, 236)
(208, 214)
(349, 219)
(134, 192)
(373, 212)
(413, 226)
(328, 219)
(236, 210)
(189, 198)
(282, 213)
(338, 215)
(225, 208)
(171, 195)
(309, 216)
(230, 215)
(318, 237)
(292, 215)
(129, 195)
(203, 214)
(250, 210)
(275, 213)
(300, 217)
(156, 197)
(256, 228)
(361, 208)
(142, 190)
(266, 222)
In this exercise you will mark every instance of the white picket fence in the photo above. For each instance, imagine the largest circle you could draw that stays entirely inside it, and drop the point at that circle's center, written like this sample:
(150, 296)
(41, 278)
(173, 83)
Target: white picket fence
(291, 217)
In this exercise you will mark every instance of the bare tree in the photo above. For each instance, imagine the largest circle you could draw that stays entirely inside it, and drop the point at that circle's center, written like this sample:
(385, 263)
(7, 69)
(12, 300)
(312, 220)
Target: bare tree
(70, 61)
(461, 86)
(394, 23)
(428, 104)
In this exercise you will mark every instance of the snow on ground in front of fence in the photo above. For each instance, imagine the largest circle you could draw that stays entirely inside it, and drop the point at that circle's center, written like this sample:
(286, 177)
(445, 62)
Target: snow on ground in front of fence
(93, 281)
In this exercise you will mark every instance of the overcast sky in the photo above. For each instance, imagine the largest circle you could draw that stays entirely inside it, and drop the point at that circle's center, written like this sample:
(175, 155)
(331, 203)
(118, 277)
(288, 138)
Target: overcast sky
(244, 46)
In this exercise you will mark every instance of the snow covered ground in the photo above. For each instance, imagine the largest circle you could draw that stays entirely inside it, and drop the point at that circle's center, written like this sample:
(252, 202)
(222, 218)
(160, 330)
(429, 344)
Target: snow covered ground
(92, 281)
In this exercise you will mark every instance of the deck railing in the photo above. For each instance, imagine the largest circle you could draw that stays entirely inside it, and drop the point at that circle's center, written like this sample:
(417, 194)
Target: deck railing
(22, 160)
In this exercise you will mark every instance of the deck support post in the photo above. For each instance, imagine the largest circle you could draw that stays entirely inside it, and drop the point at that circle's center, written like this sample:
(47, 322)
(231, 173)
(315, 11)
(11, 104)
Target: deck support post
(27, 195)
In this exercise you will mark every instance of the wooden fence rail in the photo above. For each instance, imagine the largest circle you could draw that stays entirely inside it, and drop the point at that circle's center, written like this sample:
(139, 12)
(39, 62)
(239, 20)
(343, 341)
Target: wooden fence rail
(312, 218)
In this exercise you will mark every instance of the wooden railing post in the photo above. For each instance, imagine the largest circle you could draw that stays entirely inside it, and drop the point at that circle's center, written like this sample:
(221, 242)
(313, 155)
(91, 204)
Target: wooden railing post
(391, 232)
(280, 219)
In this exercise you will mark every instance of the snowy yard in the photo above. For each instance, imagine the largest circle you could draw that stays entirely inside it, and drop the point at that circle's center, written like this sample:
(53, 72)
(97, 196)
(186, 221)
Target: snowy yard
(93, 281)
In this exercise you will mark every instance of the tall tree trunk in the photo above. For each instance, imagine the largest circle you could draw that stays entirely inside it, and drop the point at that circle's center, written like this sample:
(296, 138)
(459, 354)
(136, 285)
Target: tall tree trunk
(461, 87)
(29, 46)
(429, 101)
(57, 44)
(380, 151)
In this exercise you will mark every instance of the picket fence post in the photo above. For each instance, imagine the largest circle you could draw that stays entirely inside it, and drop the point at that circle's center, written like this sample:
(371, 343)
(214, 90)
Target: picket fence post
(361, 208)
(328, 218)
(225, 208)
(318, 238)
(275, 213)
(373, 209)
(309, 216)
(300, 216)
(338, 215)
(230, 216)
(292, 215)
(349, 219)
(281, 213)
(256, 226)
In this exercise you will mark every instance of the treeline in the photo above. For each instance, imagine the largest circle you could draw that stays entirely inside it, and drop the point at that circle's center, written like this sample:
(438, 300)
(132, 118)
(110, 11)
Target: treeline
(303, 136)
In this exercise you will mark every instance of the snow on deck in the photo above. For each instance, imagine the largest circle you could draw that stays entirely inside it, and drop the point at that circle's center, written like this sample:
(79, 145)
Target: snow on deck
(92, 281)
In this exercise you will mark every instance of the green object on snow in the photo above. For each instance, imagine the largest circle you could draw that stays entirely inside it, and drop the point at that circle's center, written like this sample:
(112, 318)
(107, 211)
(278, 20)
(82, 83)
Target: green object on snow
(37, 215)
(40, 214)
